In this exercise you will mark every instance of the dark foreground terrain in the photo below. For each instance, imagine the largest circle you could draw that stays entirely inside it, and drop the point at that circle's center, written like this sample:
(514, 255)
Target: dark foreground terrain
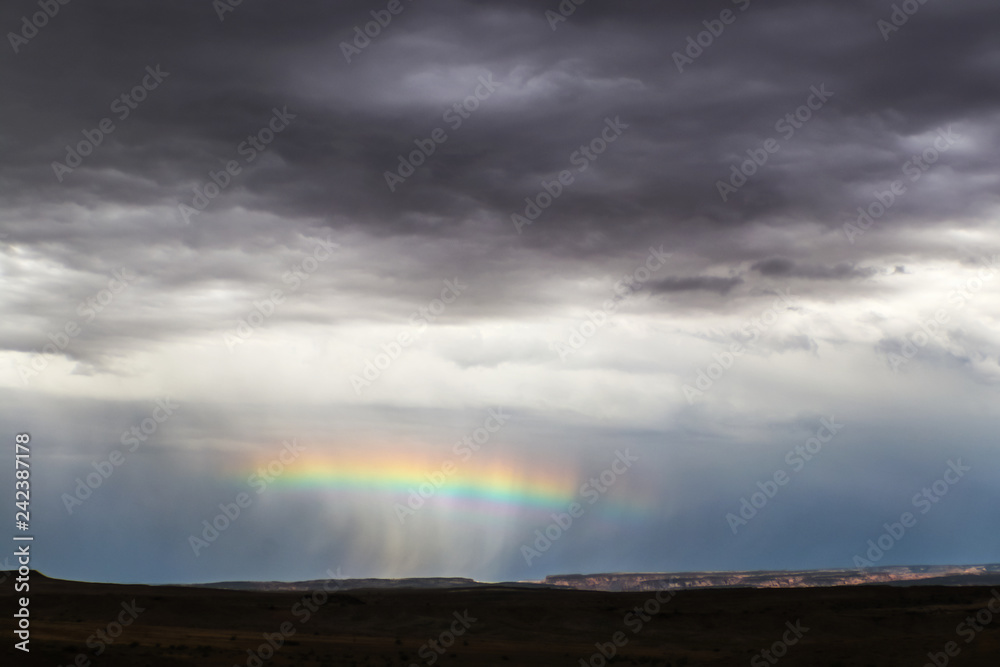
(845, 626)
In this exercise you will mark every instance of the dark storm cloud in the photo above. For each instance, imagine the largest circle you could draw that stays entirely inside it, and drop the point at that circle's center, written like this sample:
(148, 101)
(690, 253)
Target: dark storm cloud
(781, 267)
(715, 284)
(685, 131)
(681, 133)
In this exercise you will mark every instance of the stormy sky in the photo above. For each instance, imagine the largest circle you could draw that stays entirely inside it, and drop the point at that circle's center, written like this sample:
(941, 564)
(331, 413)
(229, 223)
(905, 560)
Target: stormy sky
(708, 285)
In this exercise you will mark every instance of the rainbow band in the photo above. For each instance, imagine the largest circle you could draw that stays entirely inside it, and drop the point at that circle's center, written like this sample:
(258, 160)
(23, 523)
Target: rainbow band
(502, 485)
(464, 487)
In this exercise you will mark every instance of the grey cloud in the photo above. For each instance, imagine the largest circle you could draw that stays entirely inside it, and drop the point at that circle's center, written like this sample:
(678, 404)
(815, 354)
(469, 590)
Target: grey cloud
(786, 268)
(716, 284)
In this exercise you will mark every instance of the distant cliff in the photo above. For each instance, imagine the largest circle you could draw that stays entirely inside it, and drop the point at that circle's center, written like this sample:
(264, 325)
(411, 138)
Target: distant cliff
(972, 575)
(925, 575)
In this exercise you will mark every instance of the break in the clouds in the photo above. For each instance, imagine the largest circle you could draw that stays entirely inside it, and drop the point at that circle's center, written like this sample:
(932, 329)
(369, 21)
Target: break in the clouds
(683, 230)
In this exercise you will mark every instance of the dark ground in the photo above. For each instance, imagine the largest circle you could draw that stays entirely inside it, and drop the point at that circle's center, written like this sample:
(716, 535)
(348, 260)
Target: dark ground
(875, 626)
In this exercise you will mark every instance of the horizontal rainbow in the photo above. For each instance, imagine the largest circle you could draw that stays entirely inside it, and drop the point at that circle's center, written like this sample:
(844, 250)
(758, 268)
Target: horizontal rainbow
(474, 487)
(501, 487)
